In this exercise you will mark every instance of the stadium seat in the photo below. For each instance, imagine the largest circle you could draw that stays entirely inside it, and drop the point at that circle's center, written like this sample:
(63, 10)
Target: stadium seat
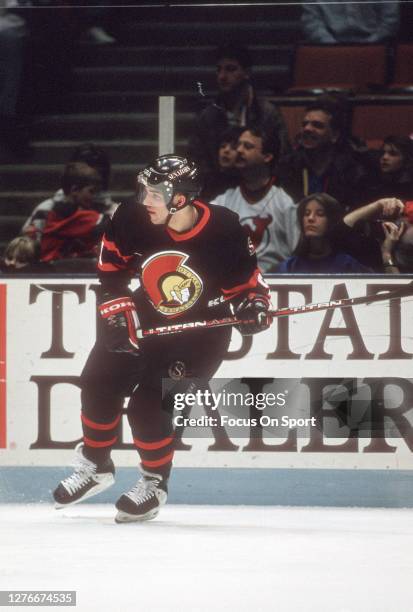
(372, 123)
(348, 67)
(293, 116)
(403, 70)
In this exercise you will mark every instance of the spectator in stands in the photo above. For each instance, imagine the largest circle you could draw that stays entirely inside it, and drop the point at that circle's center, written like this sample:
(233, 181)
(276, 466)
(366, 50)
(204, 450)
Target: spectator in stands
(329, 243)
(96, 158)
(392, 174)
(266, 211)
(227, 175)
(389, 214)
(325, 159)
(349, 22)
(320, 248)
(22, 255)
(73, 228)
(237, 104)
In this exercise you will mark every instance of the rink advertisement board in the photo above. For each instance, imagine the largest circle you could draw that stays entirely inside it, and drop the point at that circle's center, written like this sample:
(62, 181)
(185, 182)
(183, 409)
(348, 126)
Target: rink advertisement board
(343, 358)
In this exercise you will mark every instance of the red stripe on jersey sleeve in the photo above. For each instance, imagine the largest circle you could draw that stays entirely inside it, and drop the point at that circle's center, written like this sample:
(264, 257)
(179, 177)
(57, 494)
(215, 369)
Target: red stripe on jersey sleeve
(110, 251)
(252, 283)
(108, 267)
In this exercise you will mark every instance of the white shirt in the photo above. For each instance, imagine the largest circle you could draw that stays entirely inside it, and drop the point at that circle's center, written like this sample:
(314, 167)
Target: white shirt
(271, 222)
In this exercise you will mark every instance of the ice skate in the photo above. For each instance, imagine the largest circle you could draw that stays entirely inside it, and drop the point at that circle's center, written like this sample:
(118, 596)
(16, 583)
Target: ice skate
(144, 500)
(88, 479)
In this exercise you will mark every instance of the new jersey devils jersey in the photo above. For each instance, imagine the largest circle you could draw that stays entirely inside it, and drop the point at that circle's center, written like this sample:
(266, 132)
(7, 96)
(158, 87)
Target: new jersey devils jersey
(187, 275)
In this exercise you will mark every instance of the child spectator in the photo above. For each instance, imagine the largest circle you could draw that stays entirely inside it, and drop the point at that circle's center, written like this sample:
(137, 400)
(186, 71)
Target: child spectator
(73, 228)
(21, 256)
(96, 158)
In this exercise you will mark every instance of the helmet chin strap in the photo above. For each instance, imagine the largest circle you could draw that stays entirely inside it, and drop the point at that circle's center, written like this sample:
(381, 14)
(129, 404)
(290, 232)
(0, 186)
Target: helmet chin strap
(176, 208)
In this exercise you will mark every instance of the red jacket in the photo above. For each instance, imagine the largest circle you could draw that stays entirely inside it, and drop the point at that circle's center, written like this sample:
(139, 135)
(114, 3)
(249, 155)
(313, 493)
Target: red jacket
(71, 233)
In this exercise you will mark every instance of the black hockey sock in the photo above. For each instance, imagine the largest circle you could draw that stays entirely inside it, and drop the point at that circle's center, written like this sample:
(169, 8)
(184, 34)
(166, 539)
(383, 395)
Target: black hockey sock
(99, 456)
(163, 471)
(156, 455)
(152, 431)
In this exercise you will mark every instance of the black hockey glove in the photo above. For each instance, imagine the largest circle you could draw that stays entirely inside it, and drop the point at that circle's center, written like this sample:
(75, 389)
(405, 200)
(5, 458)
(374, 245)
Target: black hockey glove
(253, 310)
(120, 325)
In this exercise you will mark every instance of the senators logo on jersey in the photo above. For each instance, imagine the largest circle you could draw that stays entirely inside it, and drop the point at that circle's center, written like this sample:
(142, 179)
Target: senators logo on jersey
(172, 286)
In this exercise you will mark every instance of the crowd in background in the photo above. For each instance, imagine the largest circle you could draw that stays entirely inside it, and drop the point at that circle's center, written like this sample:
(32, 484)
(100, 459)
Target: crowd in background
(323, 203)
(36, 59)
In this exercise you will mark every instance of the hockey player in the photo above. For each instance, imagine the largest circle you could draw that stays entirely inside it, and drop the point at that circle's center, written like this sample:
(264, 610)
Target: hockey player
(193, 261)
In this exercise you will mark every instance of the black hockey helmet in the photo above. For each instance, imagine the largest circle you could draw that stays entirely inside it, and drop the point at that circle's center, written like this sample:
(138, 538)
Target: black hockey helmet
(172, 174)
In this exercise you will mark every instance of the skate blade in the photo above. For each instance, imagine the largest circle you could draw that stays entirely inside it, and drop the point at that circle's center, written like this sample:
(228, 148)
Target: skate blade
(102, 486)
(125, 517)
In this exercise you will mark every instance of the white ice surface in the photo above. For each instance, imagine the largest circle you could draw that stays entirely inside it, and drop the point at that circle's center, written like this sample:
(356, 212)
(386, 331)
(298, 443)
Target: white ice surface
(207, 558)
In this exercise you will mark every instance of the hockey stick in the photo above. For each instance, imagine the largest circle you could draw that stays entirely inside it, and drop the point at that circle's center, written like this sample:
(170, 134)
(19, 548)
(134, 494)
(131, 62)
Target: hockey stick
(281, 312)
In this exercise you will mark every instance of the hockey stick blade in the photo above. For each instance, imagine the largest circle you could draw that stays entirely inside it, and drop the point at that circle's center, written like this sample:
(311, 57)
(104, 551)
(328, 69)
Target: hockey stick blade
(281, 312)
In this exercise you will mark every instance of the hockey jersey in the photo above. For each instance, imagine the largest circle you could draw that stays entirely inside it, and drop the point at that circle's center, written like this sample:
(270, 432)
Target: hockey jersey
(271, 223)
(190, 275)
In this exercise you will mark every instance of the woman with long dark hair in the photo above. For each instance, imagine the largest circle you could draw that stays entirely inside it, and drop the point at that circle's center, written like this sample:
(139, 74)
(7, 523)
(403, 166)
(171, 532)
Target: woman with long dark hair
(328, 243)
